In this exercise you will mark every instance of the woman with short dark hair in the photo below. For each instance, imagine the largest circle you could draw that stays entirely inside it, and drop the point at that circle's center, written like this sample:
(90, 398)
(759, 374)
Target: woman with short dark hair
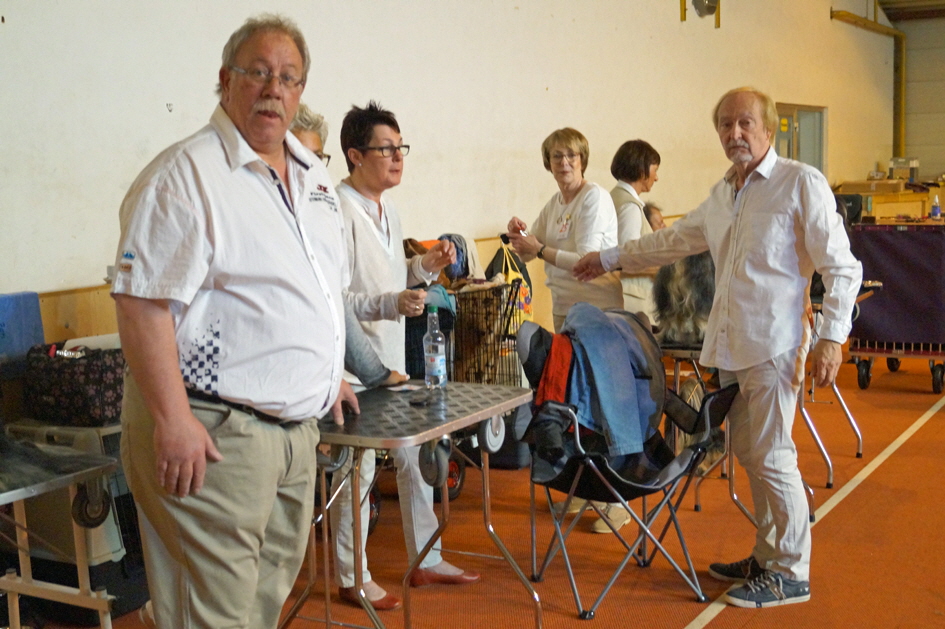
(374, 153)
(634, 167)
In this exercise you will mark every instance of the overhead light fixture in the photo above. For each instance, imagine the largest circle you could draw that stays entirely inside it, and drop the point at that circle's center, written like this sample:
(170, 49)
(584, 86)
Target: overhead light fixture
(705, 7)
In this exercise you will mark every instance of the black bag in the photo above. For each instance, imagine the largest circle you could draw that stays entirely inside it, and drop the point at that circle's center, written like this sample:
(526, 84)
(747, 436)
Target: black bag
(77, 387)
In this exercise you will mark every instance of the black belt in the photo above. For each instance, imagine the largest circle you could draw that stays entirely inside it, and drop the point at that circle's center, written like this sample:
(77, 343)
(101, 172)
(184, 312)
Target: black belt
(243, 408)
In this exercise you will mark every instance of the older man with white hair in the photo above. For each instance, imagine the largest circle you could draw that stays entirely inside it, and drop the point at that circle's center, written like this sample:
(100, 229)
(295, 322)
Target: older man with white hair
(769, 223)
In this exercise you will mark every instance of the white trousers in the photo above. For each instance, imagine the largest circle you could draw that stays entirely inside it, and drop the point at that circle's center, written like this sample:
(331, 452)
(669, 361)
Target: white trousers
(416, 508)
(760, 421)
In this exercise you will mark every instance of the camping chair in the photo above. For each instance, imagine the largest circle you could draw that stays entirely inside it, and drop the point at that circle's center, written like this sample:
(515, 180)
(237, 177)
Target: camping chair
(570, 458)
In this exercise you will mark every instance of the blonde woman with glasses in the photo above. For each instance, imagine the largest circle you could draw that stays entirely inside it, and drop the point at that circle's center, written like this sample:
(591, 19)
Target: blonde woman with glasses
(578, 219)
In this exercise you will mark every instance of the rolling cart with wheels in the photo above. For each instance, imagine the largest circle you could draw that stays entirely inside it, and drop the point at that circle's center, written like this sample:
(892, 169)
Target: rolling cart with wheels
(865, 352)
(905, 319)
(45, 471)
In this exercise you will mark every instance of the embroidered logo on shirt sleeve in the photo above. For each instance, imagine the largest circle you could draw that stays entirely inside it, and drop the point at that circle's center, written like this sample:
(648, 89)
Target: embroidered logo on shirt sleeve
(127, 258)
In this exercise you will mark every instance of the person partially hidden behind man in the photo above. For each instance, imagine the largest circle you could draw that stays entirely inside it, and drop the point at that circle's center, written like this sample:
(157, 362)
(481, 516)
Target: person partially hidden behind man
(231, 265)
(769, 223)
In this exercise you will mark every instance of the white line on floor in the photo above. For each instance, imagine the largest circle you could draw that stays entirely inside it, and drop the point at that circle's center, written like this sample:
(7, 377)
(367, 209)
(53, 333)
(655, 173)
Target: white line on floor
(716, 606)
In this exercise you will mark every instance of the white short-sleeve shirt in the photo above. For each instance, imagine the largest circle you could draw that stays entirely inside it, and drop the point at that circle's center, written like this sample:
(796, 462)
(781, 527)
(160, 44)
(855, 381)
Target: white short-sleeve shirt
(254, 269)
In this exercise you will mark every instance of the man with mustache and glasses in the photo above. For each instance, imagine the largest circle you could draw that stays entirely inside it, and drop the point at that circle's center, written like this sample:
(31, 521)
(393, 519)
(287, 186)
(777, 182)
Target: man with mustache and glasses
(769, 224)
(231, 266)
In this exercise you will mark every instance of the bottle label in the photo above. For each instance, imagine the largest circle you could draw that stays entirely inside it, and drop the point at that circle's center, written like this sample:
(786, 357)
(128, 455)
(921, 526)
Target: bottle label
(436, 365)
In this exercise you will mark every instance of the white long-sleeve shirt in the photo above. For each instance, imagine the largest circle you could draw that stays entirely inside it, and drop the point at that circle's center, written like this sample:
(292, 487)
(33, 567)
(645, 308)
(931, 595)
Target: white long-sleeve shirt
(379, 272)
(766, 241)
(588, 223)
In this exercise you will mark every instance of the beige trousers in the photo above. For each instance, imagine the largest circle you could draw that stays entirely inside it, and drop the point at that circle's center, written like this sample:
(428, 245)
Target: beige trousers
(761, 419)
(227, 557)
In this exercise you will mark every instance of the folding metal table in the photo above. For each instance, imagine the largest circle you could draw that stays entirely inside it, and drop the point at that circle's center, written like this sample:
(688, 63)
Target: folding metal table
(15, 487)
(391, 419)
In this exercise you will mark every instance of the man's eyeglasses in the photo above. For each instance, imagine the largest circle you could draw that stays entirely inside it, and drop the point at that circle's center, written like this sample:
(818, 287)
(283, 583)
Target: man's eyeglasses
(325, 157)
(560, 157)
(387, 151)
(263, 77)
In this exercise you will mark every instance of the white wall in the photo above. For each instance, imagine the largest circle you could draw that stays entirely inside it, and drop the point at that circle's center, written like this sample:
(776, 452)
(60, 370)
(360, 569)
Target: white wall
(925, 94)
(93, 89)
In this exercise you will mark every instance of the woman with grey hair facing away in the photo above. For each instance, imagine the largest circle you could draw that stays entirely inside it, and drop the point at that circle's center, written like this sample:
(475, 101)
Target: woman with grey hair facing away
(312, 131)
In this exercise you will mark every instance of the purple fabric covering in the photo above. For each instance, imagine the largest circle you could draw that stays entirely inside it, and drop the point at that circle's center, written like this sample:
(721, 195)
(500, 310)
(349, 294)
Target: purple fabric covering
(910, 262)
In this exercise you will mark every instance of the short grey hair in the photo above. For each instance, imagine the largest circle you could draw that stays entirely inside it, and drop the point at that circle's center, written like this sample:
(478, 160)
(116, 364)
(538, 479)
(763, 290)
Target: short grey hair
(307, 120)
(263, 23)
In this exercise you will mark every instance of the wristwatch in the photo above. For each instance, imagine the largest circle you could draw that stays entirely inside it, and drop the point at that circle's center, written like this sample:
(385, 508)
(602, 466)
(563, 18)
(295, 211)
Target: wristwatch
(541, 253)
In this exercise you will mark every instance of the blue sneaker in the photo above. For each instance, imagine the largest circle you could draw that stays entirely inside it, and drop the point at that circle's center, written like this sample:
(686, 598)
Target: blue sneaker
(739, 572)
(767, 590)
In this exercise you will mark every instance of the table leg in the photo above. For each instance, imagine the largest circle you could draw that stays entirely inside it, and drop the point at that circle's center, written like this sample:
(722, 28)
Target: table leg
(358, 453)
(23, 540)
(13, 603)
(26, 566)
(813, 431)
(487, 519)
(82, 596)
(415, 564)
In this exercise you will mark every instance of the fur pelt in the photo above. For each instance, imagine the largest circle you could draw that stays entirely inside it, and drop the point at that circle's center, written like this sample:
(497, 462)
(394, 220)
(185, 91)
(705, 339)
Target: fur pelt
(683, 292)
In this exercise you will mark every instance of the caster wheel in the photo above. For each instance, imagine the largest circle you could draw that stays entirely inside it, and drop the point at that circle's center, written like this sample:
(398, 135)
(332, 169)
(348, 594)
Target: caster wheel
(374, 508)
(893, 364)
(455, 478)
(587, 614)
(88, 512)
(938, 375)
(434, 462)
(492, 434)
(863, 375)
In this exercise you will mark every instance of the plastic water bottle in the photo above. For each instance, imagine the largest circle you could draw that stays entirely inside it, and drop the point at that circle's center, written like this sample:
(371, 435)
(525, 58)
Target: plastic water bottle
(936, 213)
(434, 351)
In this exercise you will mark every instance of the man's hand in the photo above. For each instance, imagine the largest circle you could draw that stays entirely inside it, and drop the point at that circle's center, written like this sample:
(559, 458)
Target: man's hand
(440, 255)
(825, 362)
(410, 302)
(182, 447)
(589, 267)
(345, 396)
(181, 455)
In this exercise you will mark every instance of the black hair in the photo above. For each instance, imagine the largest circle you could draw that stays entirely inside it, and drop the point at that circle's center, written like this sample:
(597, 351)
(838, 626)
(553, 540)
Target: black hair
(357, 129)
